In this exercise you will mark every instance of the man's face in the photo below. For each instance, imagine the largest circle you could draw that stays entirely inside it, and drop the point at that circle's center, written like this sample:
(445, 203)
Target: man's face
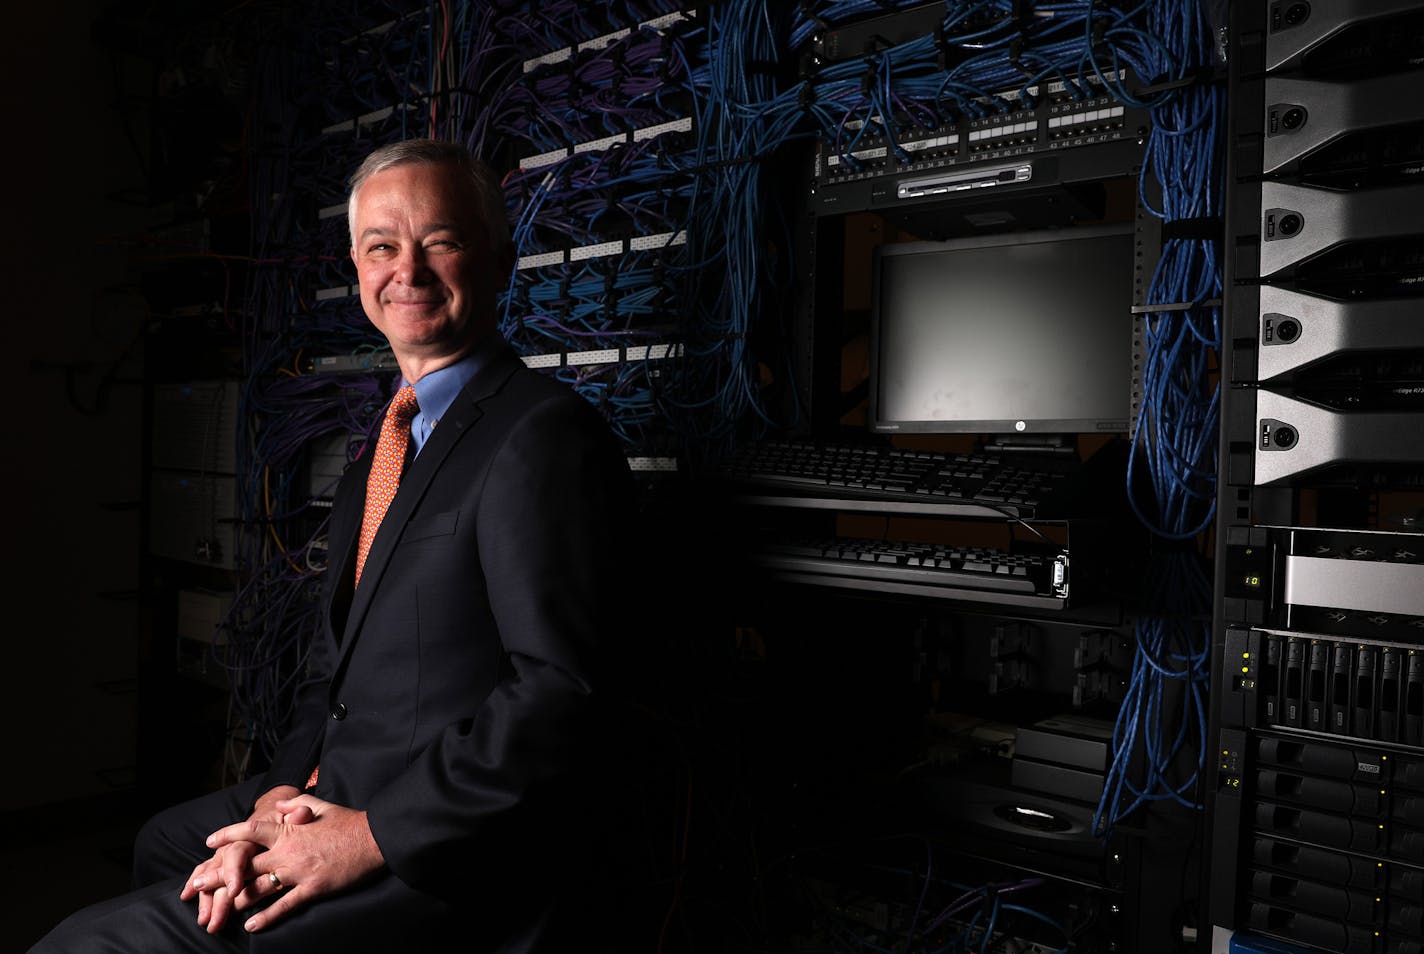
(424, 262)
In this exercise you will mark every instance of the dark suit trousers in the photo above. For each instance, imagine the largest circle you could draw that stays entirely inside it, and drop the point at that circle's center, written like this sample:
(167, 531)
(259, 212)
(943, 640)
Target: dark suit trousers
(382, 916)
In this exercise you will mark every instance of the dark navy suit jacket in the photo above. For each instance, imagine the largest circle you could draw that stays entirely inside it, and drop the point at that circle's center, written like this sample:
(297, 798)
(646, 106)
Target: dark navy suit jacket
(460, 694)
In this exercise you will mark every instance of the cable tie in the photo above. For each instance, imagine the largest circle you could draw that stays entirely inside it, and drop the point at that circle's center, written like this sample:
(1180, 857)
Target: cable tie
(1201, 75)
(1099, 31)
(1176, 306)
(1205, 227)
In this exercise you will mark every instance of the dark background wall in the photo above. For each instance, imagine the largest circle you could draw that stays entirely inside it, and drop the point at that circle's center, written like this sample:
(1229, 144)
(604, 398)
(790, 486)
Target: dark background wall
(73, 470)
(75, 446)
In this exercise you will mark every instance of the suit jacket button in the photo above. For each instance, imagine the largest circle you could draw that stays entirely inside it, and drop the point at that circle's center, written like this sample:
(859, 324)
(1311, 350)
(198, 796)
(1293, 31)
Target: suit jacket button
(339, 712)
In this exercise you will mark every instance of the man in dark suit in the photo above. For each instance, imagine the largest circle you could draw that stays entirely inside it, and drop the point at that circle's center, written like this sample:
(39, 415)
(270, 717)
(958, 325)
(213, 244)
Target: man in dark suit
(461, 689)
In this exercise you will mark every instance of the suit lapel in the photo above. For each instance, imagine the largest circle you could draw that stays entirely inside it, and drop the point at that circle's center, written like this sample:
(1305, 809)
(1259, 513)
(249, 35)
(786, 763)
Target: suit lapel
(342, 533)
(464, 412)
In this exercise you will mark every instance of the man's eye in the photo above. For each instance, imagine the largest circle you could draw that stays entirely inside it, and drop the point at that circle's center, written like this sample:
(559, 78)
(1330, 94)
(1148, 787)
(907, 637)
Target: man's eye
(446, 245)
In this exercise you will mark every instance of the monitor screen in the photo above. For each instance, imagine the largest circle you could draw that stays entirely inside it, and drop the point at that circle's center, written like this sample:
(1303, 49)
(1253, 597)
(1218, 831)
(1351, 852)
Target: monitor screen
(1018, 333)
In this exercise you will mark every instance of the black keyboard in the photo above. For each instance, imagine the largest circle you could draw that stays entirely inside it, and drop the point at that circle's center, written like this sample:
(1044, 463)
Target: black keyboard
(976, 573)
(979, 484)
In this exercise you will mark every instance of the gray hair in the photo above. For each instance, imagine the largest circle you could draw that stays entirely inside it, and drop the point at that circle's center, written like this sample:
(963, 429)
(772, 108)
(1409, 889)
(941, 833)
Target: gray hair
(489, 197)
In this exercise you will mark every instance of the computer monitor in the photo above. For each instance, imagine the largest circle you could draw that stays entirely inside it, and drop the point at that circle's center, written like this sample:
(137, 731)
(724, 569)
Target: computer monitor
(1023, 334)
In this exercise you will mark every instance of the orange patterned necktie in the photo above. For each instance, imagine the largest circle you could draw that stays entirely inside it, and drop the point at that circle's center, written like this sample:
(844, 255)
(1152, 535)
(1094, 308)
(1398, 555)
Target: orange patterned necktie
(382, 482)
(386, 468)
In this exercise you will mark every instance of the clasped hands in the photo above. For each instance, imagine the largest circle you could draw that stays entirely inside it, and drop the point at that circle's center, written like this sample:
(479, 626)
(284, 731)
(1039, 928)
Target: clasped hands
(314, 847)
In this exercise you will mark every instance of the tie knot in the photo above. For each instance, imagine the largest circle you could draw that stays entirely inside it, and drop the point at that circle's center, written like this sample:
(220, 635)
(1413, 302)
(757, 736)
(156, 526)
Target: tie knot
(403, 405)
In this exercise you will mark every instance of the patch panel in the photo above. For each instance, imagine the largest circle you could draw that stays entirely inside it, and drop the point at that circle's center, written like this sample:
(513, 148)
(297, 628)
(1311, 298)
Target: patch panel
(637, 243)
(367, 122)
(336, 292)
(1084, 124)
(1002, 135)
(603, 356)
(659, 24)
(660, 465)
(383, 360)
(642, 134)
(1087, 138)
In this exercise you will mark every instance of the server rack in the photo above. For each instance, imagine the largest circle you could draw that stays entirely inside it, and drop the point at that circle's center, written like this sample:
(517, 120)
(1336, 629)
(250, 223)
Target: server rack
(1318, 671)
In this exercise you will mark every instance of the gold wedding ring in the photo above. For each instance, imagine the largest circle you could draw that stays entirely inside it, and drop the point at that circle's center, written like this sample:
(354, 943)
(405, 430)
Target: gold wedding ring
(276, 881)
